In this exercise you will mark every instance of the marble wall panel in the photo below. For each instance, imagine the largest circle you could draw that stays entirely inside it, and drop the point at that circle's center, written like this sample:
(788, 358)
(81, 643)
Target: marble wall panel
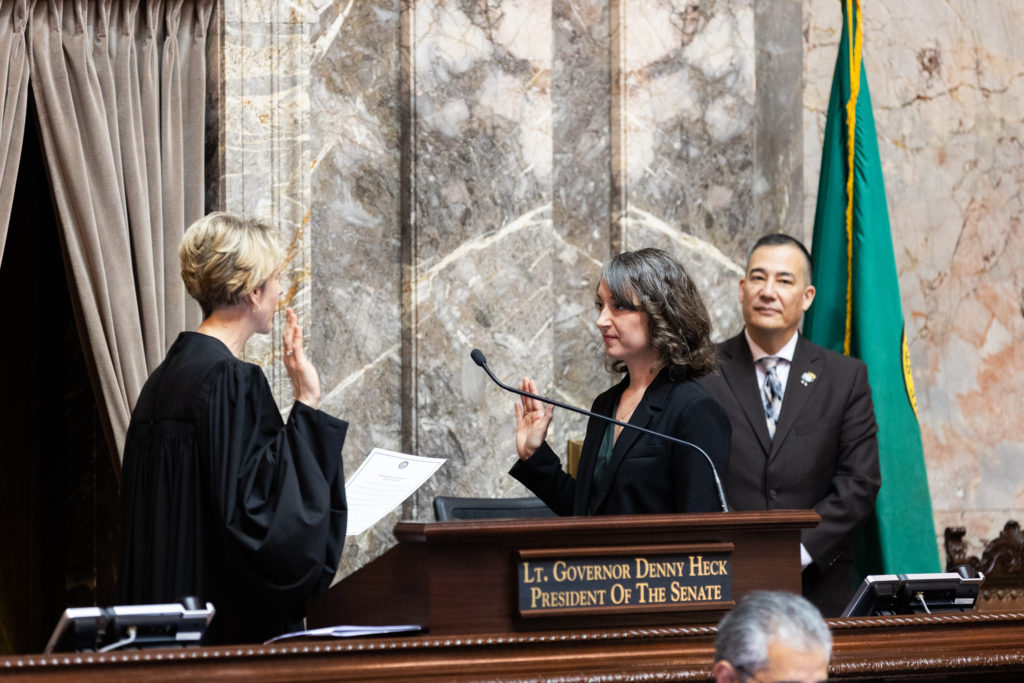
(263, 165)
(581, 197)
(686, 74)
(687, 100)
(778, 119)
(356, 241)
(947, 83)
(708, 160)
(481, 260)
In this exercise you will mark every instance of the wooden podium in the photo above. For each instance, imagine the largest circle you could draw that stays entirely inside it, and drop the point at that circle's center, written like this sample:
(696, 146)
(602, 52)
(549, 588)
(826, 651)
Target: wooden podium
(507, 576)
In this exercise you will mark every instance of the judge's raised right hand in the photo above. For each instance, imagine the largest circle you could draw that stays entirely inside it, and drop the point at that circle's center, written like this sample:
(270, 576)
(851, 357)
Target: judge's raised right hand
(304, 377)
(532, 420)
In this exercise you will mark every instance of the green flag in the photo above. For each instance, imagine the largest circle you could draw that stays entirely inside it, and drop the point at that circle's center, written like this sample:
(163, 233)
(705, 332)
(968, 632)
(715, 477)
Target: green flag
(857, 311)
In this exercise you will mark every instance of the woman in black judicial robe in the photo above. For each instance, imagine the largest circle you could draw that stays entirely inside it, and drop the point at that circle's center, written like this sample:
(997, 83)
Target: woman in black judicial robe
(656, 329)
(221, 498)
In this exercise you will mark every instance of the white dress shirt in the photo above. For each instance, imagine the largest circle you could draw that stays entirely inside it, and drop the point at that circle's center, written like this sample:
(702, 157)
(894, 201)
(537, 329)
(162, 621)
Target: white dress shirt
(785, 354)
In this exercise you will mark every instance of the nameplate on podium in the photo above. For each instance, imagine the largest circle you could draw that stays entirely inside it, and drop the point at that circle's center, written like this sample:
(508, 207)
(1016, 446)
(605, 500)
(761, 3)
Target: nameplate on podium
(557, 582)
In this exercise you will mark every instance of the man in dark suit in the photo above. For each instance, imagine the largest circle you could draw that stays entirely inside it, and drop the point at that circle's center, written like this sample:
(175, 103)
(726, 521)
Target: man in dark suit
(803, 425)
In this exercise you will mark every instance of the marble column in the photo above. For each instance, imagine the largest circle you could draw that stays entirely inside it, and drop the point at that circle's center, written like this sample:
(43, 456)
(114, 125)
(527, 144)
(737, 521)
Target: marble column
(262, 105)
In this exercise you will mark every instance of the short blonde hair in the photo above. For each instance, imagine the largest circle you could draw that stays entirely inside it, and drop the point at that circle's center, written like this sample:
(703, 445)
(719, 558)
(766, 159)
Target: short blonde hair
(225, 258)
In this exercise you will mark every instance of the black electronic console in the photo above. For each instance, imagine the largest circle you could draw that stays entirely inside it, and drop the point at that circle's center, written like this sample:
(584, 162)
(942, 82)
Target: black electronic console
(101, 629)
(890, 594)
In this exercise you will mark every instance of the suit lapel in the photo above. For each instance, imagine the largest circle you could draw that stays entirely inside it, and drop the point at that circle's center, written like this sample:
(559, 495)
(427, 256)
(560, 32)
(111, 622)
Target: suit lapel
(801, 384)
(649, 407)
(737, 367)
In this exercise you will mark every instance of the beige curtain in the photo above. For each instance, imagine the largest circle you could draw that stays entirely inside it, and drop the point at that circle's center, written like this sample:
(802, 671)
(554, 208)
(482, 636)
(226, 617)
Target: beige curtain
(120, 86)
(13, 102)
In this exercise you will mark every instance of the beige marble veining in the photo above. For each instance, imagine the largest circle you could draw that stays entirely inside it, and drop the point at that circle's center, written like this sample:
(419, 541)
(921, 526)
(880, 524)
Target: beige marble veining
(947, 83)
(355, 226)
(263, 154)
(683, 115)
(270, 12)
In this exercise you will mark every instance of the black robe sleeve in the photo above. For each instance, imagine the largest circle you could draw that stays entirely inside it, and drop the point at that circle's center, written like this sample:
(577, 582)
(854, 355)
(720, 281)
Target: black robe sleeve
(277, 489)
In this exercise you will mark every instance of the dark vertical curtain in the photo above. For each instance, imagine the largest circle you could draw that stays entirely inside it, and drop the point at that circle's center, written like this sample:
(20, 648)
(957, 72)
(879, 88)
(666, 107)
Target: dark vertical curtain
(120, 86)
(13, 102)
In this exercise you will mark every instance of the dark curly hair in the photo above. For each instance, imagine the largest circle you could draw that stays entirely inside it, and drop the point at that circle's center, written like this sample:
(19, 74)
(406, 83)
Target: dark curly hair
(653, 282)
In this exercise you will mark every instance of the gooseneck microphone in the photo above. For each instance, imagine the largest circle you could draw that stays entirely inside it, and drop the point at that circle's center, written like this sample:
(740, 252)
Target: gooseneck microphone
(478, 358)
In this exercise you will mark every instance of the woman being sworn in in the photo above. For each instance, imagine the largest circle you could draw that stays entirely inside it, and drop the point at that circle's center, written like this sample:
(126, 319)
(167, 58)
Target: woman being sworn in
(656, 331)
(222, 499)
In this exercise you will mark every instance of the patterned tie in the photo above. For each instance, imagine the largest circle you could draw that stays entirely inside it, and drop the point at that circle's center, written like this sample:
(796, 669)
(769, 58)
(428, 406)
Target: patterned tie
(771, 393)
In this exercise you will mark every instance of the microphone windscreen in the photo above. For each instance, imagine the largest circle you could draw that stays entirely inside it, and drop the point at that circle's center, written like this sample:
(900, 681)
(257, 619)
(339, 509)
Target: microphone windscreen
(478, 357)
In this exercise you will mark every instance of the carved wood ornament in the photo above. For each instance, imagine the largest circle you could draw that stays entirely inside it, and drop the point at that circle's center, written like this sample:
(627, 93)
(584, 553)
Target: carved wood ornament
(1002, 563)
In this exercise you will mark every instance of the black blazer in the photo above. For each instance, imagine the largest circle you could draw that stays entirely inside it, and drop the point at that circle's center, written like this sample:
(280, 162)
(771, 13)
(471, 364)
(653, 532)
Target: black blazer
(646, 474)
(824, 455)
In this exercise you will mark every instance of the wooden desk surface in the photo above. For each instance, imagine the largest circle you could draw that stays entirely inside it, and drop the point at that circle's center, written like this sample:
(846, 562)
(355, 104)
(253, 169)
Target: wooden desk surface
(964, 647)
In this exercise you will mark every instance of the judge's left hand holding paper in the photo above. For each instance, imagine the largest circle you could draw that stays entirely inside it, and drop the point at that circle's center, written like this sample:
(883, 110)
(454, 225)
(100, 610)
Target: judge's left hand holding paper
(221, 498)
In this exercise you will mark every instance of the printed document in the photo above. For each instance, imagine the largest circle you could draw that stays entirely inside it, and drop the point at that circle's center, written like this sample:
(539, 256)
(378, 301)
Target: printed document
(381, 483)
